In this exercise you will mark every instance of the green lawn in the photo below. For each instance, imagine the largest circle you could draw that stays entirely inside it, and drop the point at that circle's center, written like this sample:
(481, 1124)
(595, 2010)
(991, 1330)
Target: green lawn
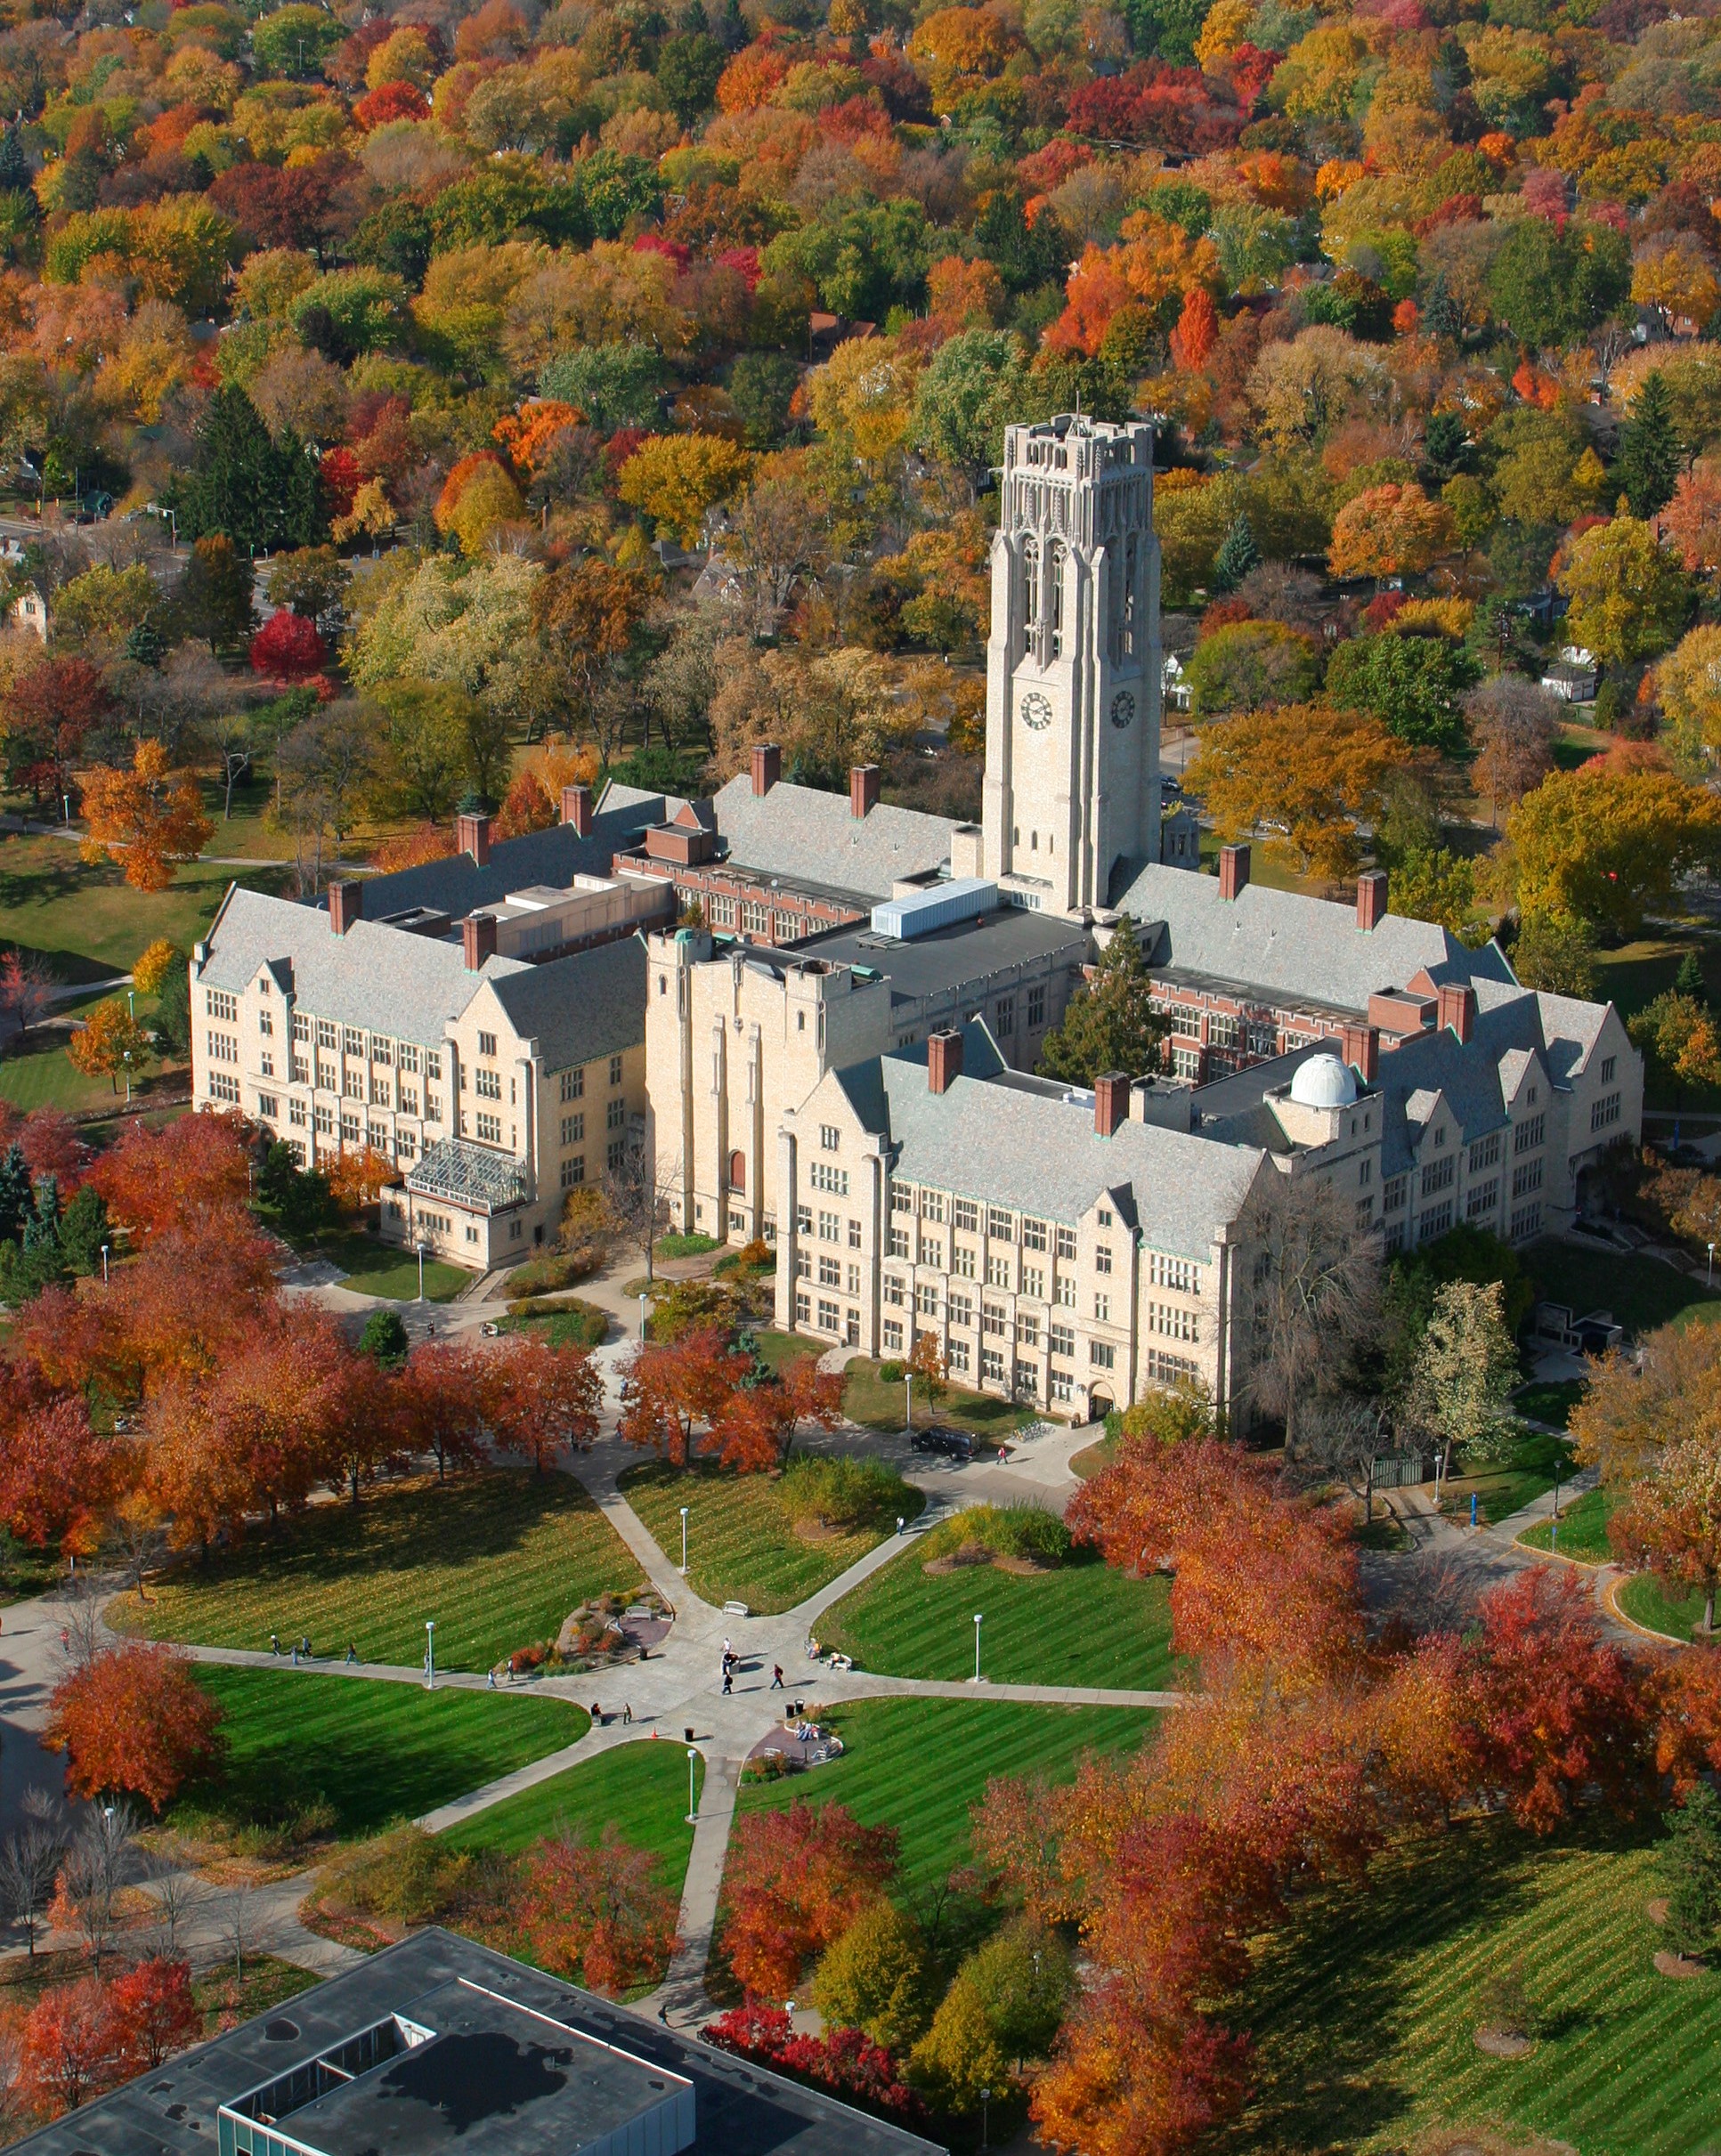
(1081, 1625)
(88, 921)
(1583, 1530)
(373, 1751)
(1642, 1292)
(640, 1787)
(1364, 2012)
(867, 1399)
(374, 1267)
(1646, 1601)
(498, 1559)
(1549, 1402)
(921, 1765)
(1635, 975)
(1503, 1486)
(742, 1545)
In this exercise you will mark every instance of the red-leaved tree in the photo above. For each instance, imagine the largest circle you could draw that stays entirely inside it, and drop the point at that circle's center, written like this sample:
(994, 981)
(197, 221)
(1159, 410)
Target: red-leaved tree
(287, 648)
(795, 1881)
(133, 1720)
(154, 2012)
(596, 1911)
(543, 1401)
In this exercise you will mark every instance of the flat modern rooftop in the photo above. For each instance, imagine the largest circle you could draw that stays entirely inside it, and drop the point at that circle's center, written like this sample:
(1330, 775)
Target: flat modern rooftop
(491, 2088)
(946, 959)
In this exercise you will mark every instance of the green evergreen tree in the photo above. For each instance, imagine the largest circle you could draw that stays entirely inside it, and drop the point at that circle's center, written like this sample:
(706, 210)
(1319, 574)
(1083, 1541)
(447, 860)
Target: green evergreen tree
(145, 645)
(383, 1339)
(1648, 466)
(1440, 313)
(83, 1229)
(1689, 979)
(43, 1226)
(1237, 556)
(257, 493)
(1111, 1023)
(14, 1193)
(214, 599)
(14, 168)
(1690, 1865)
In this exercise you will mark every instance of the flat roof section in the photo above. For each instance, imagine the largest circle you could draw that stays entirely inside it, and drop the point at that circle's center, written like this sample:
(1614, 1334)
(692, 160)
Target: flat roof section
(947, 957)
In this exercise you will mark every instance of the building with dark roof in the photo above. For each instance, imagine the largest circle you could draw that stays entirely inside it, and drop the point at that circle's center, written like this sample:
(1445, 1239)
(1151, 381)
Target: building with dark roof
(438, 2045)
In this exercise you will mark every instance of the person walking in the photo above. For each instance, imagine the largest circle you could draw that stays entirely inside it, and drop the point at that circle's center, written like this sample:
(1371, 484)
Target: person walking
(274, 1642)
(295, 1654)
(776, 1677)
(596, 1715)
(729, 1682)
(305, 1648)
(352, 1650)
(490, 1678)
(627, 1715)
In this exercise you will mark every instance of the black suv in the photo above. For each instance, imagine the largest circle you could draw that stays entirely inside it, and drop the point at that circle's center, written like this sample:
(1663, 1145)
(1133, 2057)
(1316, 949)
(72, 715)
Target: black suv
(954, 1444)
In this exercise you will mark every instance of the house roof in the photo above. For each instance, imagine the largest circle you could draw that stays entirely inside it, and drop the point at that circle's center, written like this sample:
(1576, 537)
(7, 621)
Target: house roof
(591, 1003)
(1479, 1079)
(803, 833)
(1292, 946)
(382, 978)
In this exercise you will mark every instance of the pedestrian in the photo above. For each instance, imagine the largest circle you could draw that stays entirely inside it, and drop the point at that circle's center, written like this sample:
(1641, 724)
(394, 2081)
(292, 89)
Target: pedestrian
(664, 2014)
(726, 1650)
(627, 1715)
(352, 1650)
(597, 1713)
(274, 1642)
(490, 1678)
(729, 1682)
(66, 1639)
(776, 1676)
(305, 1648)
(296, 1657)
(899, 1523)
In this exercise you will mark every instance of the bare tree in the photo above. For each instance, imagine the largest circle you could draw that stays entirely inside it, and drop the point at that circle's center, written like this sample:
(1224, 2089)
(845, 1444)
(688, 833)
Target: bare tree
(27, 985)
(82, 1639)
(1316, 1289)
(638, 1193)
(136, 1543)
(30, 1864)
(100, 1861)
(1515, 723)
(326, 764)
(178, 1895)
(1339, 1438)
(239, 1920)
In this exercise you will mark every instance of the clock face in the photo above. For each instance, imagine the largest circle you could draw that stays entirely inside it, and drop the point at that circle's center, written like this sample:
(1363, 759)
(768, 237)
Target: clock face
(1036, 711)
(1122, 709)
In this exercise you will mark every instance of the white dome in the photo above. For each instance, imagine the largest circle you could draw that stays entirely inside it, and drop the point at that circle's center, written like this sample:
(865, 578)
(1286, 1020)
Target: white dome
(1323, 1082)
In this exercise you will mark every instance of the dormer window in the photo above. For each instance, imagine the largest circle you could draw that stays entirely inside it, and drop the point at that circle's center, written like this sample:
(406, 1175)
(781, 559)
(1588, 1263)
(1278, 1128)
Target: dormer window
(1440, 1134)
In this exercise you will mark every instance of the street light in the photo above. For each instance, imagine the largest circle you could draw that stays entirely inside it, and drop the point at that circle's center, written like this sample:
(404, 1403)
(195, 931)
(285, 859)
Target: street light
(693, 1803)
(131, 1004)
(908, 1389)
(985, 2097)
(66, 804)
(421, 1271)
(684, 1542)
(105, 1265)
(644, 1300)
(430, 1654)
(977, 1647)
(1711, 1279)
(128, 1077)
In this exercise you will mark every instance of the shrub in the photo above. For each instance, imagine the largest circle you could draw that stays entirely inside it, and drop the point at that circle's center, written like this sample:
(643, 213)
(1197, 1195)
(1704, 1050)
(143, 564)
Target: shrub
(1506, 2005)
(890, 1374)
(840, 1491)
(546, 1275)
(1012, 1530)
(405, 1874)
(686, 1246)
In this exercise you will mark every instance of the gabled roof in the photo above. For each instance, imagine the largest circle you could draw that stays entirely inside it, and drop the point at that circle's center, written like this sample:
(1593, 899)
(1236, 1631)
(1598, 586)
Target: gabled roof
(1477, 1079)
(801, 832)
(382, 978)
(1295, 947)
(590, 1004)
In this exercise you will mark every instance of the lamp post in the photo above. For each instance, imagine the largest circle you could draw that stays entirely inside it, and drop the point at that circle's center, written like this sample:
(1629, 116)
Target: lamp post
(131, 1004)
(684, 1542)
(128, 1077)
(421, 1271)
(66, 806)
(105, 1265)
(644, 1300)
(693, 1803)
(1711, 1278)
(430, 1654)
(908, 1391)
(985, 2097)
(977, 1647)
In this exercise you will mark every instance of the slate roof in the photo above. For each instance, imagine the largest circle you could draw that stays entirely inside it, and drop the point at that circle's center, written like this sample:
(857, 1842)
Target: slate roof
(803, 833)
(457, 885)
(591, 1003)
(1293, 946)
(1478, 1078)
(382, 978)
(1041, 1156)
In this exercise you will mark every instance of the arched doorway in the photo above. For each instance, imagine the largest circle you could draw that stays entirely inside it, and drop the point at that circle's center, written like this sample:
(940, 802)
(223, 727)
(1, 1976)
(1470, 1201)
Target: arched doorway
(737, 1169)
(1099, 1404)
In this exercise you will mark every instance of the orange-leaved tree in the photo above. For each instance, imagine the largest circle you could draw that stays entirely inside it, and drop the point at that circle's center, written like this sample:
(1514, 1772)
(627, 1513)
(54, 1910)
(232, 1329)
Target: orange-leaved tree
(133, 1720)
(794, 1883)
(597, 1912)
(670, 1388)
(1389, 531)
(109, 1041)
(145, 819)
(543, 1401)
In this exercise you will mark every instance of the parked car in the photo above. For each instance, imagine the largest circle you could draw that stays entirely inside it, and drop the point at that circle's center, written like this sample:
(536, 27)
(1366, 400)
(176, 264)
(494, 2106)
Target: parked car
(954, 1444)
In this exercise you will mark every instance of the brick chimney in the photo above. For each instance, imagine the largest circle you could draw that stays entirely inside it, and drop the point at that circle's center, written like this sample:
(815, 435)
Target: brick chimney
(1371, 899)
(1233, 870)
(1457, 1009)
(345, 905)
(767, 767)
(478, 940)
(944, 1059)
(471, 836)
(577, 808)
(863, 788)
(1111, 1102)
(1359, 1046)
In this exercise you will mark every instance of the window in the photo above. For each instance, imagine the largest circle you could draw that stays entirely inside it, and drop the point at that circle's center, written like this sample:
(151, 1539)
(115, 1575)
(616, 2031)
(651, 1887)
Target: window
(1526, 1220)
(803, 1266)
(997, 1272)
(854, 1234)
(1061, 1340)
(1103, 1309)
(1033, 1282)
(220, 1005)
(824, 1177)
(1063, 1291)
(1063, 1389)
(1482, 1199)
(1438, 1175)
(966, 1214)
(615, 1070)
(803, 1219)
(352, 1083)
(1485, 1152)
(1391, 1197)
(409, 1100)
(932, 1251)
(1027, 1329)
(1527, 1179)
(296, 1112)
(830, 1228)
(573, 1172)
(326, 1035)
(1165, 1271)
(573, 1085)
(1606, 1072)
(893, 1290)
(433, 1107)
(926, 1298)
(1529, 1134)
(268, 1067)
(486, 1044)
(1002, 1226)
(854, 1280)
(1186, 1062)
(1102, 1257)
(223, 1088)
(932, 1204)
(1055, 558)
(349, 1130)
(266, 1022)
(955, 1356)
(962, 1310)
(222, 1047)
(379, 1091)
(433, 1064)
(1365, 1176)
(1222, 1032)
(406, 1144)
(991, 1366)
(407, 1058)
(487, 1084)
(616, 1152)
(615, 1116)
(830, 1317)
(381, 1051)
(1037, 1008)
(1172, 1320)
(961, 1261)
(490, 1128)
(301, 1072)
(1030, 590)
(1103, 1355)
(755, 919)
(354, 1040)
(830, 1136)
(324, 1121)
(1033, 1235)
(573, 1130)
(1104, 1216)
(902, 1197)
(899, 1242)
(375, 1136)
(301, 1026)
(1434, 1223)
(830, 1271)
(994, 1320)
(1605, 1112)
(1066, 1243)
(1440, 1134)
(1164, 1369)
(1007, 1015)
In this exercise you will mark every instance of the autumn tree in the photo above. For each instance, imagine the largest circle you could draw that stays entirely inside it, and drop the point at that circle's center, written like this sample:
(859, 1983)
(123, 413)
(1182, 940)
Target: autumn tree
(795, 1880)
(543, 1401)
(670, 1388)
(875, 1977)
(68, 2044)
(1608, 843)
(144, 819)
(1671, 1517)
(109, 1040)
(1513, 723)
(1629, 597)
(597, 1912)
(184, 1176)
(154, 2012)
(1466, 1369)
(133, 1720)
(1313, 772)
(441, 1404)
(1389, 531)
(56, 1473)
(1110, 1023)
(153, 964)
(676, 480)
(590, 616)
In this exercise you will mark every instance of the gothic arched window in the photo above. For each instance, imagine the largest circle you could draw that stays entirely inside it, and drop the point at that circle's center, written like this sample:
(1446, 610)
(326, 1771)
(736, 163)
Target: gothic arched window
(1055, 565)
(1030, 591)
(1129, 596)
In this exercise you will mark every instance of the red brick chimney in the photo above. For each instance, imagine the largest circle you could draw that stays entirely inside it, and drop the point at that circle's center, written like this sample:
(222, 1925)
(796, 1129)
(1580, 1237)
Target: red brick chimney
(863, 788)
(577, 808)
(1233, 870)
(767, 767)
(345, 905)
(1359, 1046)
(1111, 1102)
(1371, 899)
(478, 940)
(471, 836)
(1457, 1009)
(944, 1059)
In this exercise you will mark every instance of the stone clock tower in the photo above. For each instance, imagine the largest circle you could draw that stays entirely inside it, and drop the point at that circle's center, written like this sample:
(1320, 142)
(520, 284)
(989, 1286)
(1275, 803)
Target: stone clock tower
(1072, 667)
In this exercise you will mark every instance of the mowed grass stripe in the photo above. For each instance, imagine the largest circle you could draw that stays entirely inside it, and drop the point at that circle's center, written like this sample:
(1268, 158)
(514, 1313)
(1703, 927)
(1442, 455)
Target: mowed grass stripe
(1081, 1625)
(921, 1765)
(497, 1559)
(639, 1788)
(742, 1545)
(375, 1750)
(1364, 2011)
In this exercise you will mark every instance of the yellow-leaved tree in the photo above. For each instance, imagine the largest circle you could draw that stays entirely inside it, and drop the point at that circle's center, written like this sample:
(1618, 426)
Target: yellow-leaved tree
(678, 479)
(146, 819)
